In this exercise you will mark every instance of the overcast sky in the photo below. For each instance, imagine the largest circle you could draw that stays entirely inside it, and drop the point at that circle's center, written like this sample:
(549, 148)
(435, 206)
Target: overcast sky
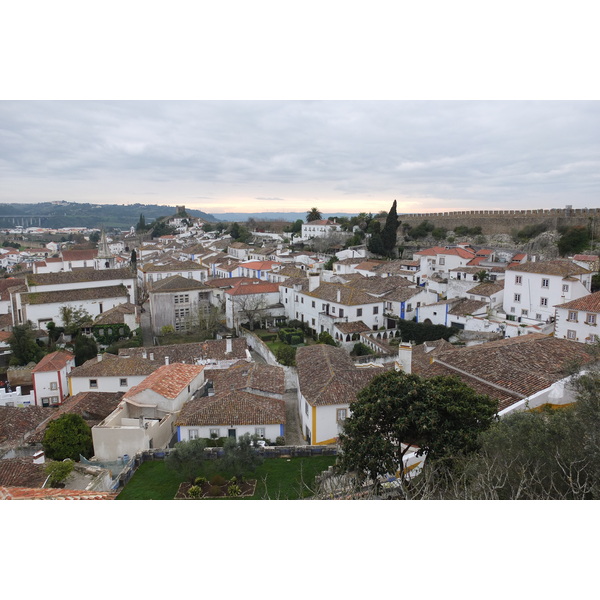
(340, 156)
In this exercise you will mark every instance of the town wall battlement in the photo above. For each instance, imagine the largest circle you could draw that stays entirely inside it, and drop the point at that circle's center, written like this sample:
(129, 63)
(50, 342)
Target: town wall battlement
(504, 221)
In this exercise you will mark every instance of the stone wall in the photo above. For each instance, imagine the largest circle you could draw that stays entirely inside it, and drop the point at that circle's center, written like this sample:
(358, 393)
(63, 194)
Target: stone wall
(503, 221)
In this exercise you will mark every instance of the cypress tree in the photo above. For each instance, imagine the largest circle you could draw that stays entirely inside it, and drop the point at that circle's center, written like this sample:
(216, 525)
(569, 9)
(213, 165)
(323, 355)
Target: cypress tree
(388, 233)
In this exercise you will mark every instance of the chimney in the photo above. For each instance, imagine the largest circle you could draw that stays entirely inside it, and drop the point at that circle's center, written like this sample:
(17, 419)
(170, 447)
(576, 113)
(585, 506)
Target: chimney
(228, 345)
(151, 355)
(404, 362)
(39, 458)
(339, 295)
(99, 357)
(166, 360)
(144, 354)
(314, 279)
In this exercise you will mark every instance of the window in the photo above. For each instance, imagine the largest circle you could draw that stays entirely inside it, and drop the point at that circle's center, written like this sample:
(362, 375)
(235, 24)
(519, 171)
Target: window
(312, 321)
(517, 297)
(260, 431)
(193, 434)
(512, 309)
(565, 287)
(590, 319)
(333, 309)
(572, 315)
(543, 301)
(93, 383)
(376, 310)
(545, 283)
(214, 433)
(571, 335)
(359, 312)
(524, 312)
(302, 300)
(123, 382)
(313, 304)
(518, 279)
(409, 308)
(341, 312)
(538, 316)
(53, 385)
(341, 414)
(442, 260)
(306, 408)
(54, 400)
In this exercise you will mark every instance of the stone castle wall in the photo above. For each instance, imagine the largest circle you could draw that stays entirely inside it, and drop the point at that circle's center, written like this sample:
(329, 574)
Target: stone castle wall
(504, 221)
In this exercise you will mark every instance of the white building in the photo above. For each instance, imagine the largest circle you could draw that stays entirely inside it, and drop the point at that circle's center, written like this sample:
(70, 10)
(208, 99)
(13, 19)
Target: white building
(50, 382)
(578, 319)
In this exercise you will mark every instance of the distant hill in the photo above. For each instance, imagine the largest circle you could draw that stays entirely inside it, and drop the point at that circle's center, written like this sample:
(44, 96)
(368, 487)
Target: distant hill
(276, 216)
(76, 214)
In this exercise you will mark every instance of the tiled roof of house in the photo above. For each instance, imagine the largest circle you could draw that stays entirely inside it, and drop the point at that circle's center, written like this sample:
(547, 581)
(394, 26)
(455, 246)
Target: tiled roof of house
(512, 368)
(11, 282)
(402, 294)
(74, 255)
(116, 315)
(487, 288)
(349, 296)
(320, 222)
(564, 268)
(18, 424)
(352, 327)
(190, 353)
(244, 288)
(21, 472)
(173, 265)
(396, 267)
(239, 246)
(232, 408)
(6, 321)
(378, 286)
(456, 251)
(464, 307)
(176, 283)
(259, 265)
(229, 282)
(327, 375)
(247, 376)
(62, 296)
(291, 271)
(53, 362)
(585, 258)
(23, 493)
(589, 303)
(168, 380)
(111, 365)
(78, 276)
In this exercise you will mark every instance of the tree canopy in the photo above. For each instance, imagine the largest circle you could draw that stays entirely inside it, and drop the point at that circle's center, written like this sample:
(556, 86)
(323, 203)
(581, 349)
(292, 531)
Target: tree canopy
(314, 214)
(398, 412)
(68, 437)
(23, 346)
(388, 233)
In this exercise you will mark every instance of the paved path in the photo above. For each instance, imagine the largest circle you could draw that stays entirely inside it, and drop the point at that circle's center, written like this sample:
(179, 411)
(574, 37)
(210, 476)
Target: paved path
(293, 435)
(146, 326)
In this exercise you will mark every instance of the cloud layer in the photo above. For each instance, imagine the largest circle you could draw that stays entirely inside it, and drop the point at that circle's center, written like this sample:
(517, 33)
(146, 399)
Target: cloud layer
(340, 156)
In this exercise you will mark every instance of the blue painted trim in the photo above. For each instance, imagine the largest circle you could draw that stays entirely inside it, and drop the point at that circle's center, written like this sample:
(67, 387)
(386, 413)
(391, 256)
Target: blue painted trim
(178, 433)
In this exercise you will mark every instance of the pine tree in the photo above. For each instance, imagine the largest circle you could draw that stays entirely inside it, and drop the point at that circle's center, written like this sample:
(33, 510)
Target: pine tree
(388, 233)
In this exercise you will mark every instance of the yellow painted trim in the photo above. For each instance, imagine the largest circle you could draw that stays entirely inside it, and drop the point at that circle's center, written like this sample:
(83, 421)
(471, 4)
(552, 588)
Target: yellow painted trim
(70, 386)
(326, 442)
(313, 433)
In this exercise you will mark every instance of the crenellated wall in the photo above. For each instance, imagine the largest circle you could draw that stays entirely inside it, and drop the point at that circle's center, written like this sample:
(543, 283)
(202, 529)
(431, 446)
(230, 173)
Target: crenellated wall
(503, 221)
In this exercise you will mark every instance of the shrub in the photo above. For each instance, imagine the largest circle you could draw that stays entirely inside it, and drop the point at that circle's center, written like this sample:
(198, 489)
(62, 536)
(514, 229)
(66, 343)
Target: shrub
(286, 355)
(361, 349)
(218, 480)
(234, 490)
(194, 492)
(296, 340)
(280, 440)
(200, 481)
(215, 490)
(58, 471)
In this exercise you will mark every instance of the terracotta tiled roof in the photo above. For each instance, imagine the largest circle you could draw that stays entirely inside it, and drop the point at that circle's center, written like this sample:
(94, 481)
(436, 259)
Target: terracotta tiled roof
(175, 265)
(176, 283)
(589, 303)
(114, 366)
(22, 493)
(488, 288)
(73, 255)
(585, 258)
(190, 353)
(378, 286)
(232, 408)
(435, 250)
(229, 282)
(78, 276)
(327, 375)
(168, 381)
(245, 289)
(520, 366)
(111, 291)
(464, 307)
(53, 362)
(116, 315)
(259, 265)
(352, 327)
(21, 472)
(251, 377)
(18, 424)
(349, 296)
(563, 268)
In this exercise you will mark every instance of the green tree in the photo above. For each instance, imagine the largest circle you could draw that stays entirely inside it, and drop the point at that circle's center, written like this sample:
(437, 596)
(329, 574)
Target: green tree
(160, 228)
(325, 338)
(85, 348)
(286, 355)
(58, 471)
(375, 244)
(313, 215)
(74, 318)
(187, 458)
(399, 412)
(23, 346)
(141, 224)
(389, 231)
(68, 437)
(133, 258)
(95, 237)
(482, 276)
(574, 240)
(240, 456)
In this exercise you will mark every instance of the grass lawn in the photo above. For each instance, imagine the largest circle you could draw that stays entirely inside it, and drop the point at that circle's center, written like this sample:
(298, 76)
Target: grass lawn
(277, 479)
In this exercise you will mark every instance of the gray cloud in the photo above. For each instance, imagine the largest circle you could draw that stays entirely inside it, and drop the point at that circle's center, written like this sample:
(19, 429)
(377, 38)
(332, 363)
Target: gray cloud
(466, 154)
